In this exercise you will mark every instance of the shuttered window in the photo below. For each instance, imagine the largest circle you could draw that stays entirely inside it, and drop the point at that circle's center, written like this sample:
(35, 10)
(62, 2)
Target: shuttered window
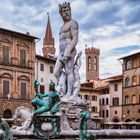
(22, 57)
(51, 69)
(5, 89)
(5, 54)
(23, 90)
(41, 67)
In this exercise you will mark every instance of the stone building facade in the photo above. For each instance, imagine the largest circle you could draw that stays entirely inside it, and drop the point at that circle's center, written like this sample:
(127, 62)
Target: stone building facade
(131, 87)
(104, 102)
(17, 70)
(44, 68)
(115, 103)
(87, 92)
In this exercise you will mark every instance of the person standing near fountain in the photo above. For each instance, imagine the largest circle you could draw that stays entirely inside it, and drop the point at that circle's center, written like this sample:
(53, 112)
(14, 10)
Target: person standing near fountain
(68, 37)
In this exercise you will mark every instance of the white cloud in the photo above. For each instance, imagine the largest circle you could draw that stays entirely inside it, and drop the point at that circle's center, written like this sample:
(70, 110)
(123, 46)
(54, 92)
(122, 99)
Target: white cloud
(6, 6)
(111, 43)
(33, 18)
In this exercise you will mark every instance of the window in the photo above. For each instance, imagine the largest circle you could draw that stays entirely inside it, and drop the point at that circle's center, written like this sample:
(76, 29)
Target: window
(138, 110)
(134, 99)
(103, 113)
(127, 111)
(6, 89)
(107, 91)
(51, 69)
(95, 63)
(107, 101)
(104, 91)
(22, 57)
(115, 87)
(7, 114)
(23, 90)
(134, 80)
(94, 109)
(100, 102)
(115, 101)
(41, 80)
(94, 98)
(128, 65)
(135, 62)
(126, 100)
(127, 82)
(5, 54)
(107, 113)
(41, 67)
(88, 75)
(89, 63)
(100, 113)
(42, 89)
(115, 112)
(86, 97)
(103, 101)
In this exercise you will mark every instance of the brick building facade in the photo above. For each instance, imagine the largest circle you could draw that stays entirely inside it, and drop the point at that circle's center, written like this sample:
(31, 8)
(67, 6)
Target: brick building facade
(131, 87)
(92, 63)
(17, 70)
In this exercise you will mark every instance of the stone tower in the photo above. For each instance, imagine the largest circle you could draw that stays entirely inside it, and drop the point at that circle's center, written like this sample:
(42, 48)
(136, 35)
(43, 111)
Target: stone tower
(48, 42)
(92, 63)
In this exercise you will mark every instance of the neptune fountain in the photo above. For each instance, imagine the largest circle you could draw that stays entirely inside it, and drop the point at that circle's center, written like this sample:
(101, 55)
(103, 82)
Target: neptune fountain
(53, 115)
(61, 113)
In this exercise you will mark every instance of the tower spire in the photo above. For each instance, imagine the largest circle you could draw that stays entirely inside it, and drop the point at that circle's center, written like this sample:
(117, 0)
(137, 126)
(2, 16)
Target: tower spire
(48, 42)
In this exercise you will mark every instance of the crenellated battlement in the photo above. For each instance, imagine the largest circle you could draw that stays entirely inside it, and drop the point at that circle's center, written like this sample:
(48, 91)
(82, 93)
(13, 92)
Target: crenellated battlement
(91, 50)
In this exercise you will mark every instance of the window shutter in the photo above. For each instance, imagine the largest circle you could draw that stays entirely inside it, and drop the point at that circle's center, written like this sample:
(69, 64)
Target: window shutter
(23, 90)
(22, 57)
(5, 89)
(6, 54)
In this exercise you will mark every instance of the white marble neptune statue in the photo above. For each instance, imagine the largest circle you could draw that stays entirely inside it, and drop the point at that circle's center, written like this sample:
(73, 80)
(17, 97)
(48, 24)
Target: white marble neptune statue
(68, 37)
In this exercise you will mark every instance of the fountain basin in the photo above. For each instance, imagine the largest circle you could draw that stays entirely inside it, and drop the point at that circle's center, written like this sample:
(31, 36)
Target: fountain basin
(95, 134)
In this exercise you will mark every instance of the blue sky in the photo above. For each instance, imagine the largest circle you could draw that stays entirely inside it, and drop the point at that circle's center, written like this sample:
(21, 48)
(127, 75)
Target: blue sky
(113, 26)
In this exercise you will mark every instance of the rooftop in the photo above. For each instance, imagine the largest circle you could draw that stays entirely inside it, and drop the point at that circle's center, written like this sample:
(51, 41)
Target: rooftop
(49, 59)
(115, 78)
(129, 55)
(18, 33)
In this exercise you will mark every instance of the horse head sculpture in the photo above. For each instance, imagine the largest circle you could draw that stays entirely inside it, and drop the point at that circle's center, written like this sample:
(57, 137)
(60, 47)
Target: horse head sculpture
(25, 115)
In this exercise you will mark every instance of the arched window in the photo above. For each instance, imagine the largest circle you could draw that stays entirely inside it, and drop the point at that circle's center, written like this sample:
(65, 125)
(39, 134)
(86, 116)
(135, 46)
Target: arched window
(127, 82)
(89, 63)
(134, 99)
(127, 100)
(128, 120)
(116, 120)
(134, 80)
(95, 63)
(7, 114)
(128, 65)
